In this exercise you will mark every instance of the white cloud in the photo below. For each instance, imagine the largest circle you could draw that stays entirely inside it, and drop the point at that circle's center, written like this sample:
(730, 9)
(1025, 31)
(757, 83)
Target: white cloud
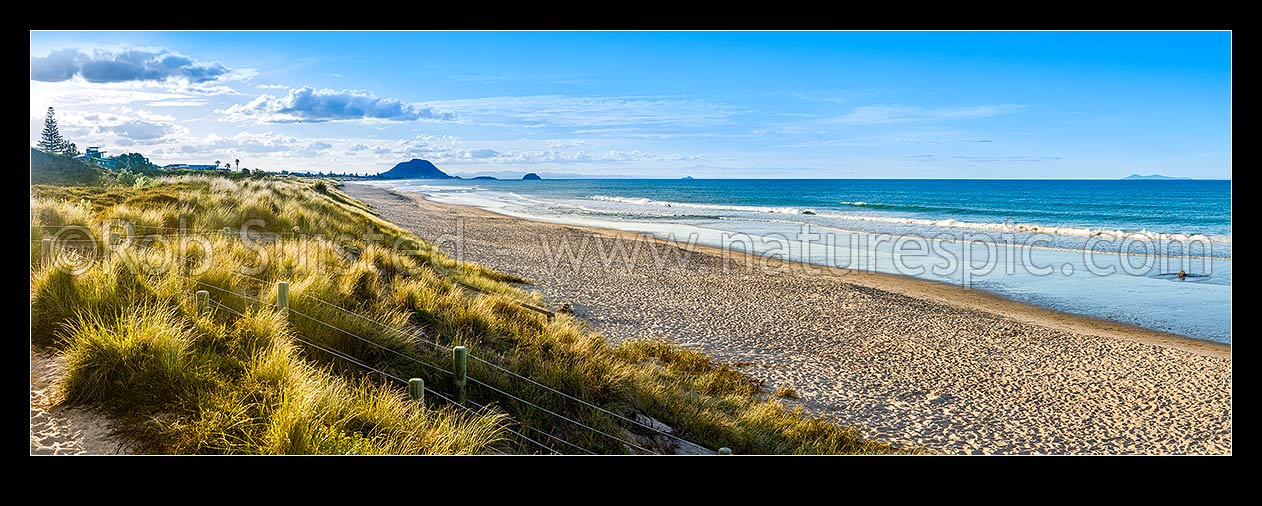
(255, 149)
(122, 126)
(248, 142)
(80, 94)
(652, 132)
(448, 149)
(1007, 159)
(563, 143)
(309, 105)
(882, 114)
(124, 64)
(563, 111)
(177, 103)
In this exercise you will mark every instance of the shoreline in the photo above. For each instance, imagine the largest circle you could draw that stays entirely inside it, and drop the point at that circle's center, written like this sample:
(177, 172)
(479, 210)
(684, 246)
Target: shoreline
(938, 291)
(909, 361)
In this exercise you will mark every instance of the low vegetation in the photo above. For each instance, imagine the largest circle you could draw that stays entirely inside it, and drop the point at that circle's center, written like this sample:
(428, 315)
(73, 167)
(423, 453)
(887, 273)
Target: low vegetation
(56, 169)
(787, 392)
(242, 378)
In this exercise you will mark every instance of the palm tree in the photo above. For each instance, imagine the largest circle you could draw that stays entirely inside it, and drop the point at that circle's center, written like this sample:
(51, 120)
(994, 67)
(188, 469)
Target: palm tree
(216, 164)
(238, 160)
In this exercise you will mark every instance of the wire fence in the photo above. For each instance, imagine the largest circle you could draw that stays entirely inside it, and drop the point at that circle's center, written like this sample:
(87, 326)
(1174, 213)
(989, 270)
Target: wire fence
(506, 371)
(435, 345)
(347, 357)
(352, 360)
(473, 380)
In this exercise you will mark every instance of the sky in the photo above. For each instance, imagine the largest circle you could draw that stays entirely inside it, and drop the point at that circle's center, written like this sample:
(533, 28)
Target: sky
(651, 104)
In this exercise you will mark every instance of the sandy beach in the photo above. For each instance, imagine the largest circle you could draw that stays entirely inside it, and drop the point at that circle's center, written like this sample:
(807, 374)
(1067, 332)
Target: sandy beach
(61, 430)
(911, 362)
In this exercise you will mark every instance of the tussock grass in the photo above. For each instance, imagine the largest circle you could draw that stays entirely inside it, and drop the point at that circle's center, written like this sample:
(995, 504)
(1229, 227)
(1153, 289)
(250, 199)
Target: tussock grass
(221, 383)
(787, 392)
(140, 355)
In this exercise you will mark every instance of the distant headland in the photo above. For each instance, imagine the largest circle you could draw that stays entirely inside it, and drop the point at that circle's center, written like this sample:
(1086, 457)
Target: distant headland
(1152, 177)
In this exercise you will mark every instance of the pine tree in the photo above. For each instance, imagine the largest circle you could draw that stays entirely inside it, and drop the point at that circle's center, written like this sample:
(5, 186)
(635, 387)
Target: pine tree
(50, 141)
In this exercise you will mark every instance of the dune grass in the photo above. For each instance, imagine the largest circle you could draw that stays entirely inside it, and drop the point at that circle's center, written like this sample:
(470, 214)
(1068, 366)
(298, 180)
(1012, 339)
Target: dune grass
(221, 383)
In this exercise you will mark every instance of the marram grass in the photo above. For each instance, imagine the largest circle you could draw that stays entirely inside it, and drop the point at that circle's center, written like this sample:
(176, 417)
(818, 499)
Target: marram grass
(183, 382)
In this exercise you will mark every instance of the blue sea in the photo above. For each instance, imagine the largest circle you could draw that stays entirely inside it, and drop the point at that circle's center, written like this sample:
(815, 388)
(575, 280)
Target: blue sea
(1113, 248)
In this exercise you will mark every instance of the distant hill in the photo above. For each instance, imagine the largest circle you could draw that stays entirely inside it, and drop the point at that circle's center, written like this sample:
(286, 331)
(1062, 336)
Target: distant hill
(59, 170)
(1150, 177)
(482, 178)
(531, 177)
(414, 169)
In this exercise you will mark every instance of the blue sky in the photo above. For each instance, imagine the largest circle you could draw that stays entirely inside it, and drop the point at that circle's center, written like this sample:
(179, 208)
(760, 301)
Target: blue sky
(652, 104)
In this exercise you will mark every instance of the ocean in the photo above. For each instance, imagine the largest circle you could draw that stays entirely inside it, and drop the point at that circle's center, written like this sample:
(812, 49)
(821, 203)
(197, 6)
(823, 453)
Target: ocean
(1109, 249)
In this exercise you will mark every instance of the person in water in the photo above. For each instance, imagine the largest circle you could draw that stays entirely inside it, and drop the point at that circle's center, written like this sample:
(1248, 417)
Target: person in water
(1181, 275)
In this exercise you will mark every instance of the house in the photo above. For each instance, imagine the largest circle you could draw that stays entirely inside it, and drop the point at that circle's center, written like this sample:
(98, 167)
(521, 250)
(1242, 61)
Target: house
(93, 154)
(185, 166)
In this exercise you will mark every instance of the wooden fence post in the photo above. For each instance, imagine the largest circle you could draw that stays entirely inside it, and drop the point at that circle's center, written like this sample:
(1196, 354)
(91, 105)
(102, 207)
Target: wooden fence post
(181, 249)
(416, 389)
(459, 371)
(46, 253)
(282, 296)
(203, 302)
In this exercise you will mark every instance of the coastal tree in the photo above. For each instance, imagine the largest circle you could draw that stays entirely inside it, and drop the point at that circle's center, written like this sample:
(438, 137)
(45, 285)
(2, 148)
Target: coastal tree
(70, 150)
(50, 140)
(216, 164)
(135, 162)
(238, 162)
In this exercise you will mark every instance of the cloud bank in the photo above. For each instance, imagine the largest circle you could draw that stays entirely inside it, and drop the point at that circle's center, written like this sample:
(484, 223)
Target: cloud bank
(127, 126)
(449, 149)
(310, 105)
(124, 65)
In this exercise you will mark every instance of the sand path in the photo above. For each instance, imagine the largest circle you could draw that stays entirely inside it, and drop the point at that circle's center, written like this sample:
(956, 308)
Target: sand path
(62, 430)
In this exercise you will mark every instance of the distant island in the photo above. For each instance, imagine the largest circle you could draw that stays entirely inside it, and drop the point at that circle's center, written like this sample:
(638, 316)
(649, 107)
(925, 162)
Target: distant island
(483, 178)
(531, 177)
(1151, 177)
(686, 178)
(415, 169)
